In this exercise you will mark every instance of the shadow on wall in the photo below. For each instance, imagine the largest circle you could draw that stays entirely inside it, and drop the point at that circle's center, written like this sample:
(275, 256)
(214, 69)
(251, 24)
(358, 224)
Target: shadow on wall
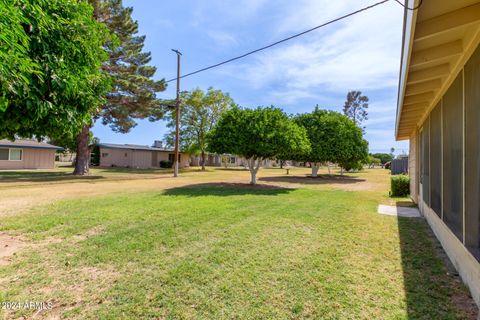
(226, 189)
(321, 179)
(432, 286)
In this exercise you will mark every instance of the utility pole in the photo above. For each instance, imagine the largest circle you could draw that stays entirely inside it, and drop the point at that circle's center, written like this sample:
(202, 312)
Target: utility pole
(177, 116)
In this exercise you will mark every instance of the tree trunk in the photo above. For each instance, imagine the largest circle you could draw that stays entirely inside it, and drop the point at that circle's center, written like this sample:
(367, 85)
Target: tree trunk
(83, 152)
(315, 168)
(203, 160)
(281, 164)
(253, 175)
(254, 169)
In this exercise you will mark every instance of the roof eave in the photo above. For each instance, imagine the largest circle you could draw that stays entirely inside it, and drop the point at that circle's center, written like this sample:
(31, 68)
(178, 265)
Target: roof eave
(410, 17)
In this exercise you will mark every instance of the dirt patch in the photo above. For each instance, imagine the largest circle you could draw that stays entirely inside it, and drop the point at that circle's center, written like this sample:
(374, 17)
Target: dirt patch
(90, 233)
(9, 246)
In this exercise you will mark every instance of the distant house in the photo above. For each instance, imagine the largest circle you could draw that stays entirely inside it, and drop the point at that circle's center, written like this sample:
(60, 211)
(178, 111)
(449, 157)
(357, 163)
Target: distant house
(216, 160)
(439, 112)
(138, 156)
(27, 154)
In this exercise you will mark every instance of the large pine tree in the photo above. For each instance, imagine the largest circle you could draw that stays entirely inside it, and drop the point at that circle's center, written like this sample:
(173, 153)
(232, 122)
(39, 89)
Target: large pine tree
(133, 93)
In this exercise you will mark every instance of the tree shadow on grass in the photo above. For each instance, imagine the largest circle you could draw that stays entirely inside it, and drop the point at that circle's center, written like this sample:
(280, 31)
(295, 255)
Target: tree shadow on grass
(226, 189)
(433, 289)
(321, 179)
(41, 176)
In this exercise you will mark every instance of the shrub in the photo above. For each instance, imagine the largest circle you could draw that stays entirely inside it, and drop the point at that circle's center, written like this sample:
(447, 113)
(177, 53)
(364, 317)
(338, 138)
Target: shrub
(353, 166)
(400, 185)
(165, 164)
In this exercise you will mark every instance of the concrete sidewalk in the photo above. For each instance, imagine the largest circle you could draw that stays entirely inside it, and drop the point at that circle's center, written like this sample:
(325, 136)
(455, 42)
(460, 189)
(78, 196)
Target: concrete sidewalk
(407, 212)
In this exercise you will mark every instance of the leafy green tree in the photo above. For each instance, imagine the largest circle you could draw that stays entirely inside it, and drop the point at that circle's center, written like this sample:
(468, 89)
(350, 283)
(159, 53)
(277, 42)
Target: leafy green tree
(372, 161)
(50, 80)
(257, 134)
(133, 92)
(384, 157)
(15, 63)
(199, 114)
(320, 139)
(333, 138)
(355, 107)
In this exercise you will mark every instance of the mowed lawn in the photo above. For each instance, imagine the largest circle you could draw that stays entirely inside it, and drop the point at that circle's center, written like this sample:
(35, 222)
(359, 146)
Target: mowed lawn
(290, 248)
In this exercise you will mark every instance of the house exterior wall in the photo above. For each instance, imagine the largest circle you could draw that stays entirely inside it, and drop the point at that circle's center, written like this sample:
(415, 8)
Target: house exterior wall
(446, 153)
(115, 157)
(31, 159)
(142, 159)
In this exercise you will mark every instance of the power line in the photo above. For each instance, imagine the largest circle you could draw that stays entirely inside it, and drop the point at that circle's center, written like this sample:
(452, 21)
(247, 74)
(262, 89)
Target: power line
(411, 9)
(292, 37)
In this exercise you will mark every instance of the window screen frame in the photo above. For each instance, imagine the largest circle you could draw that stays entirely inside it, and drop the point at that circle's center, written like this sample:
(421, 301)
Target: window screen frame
(10, 154)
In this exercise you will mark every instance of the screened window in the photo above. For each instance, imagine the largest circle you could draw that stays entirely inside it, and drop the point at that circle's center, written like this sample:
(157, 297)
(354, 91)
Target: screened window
(436, 160)
(4, 154)
(453, 157)
(15, 154)
(472, 154)
(10, 154)
(425, 163)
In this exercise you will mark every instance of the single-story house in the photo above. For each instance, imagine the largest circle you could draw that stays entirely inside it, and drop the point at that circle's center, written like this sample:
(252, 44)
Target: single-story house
(216, 160)
(439, 112)
(27, 154)
(138, 156)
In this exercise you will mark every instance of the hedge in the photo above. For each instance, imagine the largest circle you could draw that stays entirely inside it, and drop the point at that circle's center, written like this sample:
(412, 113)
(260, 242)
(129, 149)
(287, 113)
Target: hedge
(165, 164)
(400, 185)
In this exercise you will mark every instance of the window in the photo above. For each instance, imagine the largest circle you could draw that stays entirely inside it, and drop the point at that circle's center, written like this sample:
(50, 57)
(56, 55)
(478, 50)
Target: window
(425, 162)
(10, 154)
(104, 155)
(15, 154)
(453, 157)
(4, 154)
(436, 160)
(472, 154)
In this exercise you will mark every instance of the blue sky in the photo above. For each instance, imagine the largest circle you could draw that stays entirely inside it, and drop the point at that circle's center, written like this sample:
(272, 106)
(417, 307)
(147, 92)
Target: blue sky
(359, 53)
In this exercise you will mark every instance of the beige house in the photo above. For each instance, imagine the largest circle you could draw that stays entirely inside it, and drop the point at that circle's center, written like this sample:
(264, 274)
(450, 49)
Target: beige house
(215, 160)
(439, 112)
(27, 154)
(137, 156)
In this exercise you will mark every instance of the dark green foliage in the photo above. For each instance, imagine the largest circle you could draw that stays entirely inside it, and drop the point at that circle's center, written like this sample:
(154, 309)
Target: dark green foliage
(166, 164)
(50, 58)
(353, 166)
(333, 138)
(384, 157)
(259, 133)
(133, 93)
(95, 156)
(400, 185)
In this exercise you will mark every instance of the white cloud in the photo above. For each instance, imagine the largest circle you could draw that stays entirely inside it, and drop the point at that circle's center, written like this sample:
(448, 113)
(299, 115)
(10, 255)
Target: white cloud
(359, 53)
(222, 38)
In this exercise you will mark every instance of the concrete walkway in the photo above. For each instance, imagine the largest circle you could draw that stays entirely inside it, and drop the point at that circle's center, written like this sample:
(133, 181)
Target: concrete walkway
(406, 212)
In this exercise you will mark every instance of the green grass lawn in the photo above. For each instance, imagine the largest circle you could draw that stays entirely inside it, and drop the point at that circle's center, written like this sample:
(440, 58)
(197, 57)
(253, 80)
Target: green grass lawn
(222, 252)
